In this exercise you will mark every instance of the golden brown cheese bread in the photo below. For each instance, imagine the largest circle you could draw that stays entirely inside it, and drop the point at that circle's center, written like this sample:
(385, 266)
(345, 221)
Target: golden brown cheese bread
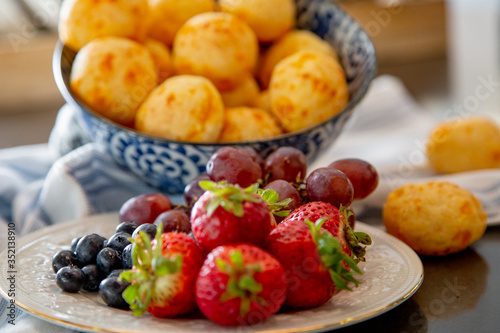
(269, 19)
(245, 123)
(464, 145)
(218, 46)
(113, 76)
(245, 94)
(161, 57)
(435, 218)
(183, 107)
(263, 101)
(81, 21)
(307, 88)
(167, 16)
(290, 43)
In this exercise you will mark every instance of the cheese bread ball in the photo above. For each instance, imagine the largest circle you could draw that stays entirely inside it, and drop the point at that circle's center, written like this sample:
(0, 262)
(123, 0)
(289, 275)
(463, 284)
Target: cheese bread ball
(245, 123)
(269, 19)
(167, 16)
(464, 145)
(161, 57)
(307, 88)
(263, 101)
(293, 41)
(435, 218)
(113, 76)
(218, 46)
(183, 107)
(245, 94)
(81, 21)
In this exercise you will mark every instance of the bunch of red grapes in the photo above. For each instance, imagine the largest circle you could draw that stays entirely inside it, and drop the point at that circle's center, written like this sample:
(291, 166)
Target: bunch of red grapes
(284, 171)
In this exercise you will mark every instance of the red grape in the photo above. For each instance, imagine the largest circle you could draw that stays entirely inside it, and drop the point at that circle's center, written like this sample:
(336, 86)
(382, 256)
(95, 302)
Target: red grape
(329, 185)
(144, 208)
(235, 166)
(255, 156)
(285, 191)
(286, 163)
(174, 221)
(363, 176)
(193, 190)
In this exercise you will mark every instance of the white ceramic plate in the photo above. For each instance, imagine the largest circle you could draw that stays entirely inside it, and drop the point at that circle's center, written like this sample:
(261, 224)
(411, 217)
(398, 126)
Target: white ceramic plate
(392, 273)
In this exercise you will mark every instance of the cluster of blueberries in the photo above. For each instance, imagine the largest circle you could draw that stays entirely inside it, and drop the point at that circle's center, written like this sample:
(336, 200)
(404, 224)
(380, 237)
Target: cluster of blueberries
(95, 263)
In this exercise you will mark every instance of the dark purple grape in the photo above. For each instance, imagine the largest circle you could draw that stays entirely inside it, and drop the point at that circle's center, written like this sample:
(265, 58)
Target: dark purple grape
(363, 176)
(119, 241)
(285, 191)
(287, 163)
(235, 166)
(111, 290)
(74, 241)
(108, 260)
(64, 258)
(329, 185)
(92, 277)
(174, 221)
(88, 247)
(127, 257)
(144, 208)
(193, 190)
(127, 227)
(148, 228)
(70, 279)
(255, 156)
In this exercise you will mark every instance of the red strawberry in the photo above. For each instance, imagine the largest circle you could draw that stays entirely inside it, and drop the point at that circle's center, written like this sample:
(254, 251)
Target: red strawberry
(164, 274)
(240, 284)
(227, 214)
(335, 223)
(313, 260)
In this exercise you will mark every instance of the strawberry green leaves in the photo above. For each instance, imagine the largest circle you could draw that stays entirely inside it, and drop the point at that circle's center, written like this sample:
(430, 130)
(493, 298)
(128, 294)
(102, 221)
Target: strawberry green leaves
(333, 257)
(229, 197)
(354, 239)
(241, 282)
(271, 198)
(149, 264)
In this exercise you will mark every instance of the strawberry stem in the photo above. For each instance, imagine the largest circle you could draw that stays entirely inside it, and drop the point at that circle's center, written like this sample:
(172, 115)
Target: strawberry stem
(241, 282)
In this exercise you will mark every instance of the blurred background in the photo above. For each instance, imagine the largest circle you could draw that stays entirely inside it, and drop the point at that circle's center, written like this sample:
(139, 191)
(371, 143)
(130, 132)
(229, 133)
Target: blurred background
(445, 52)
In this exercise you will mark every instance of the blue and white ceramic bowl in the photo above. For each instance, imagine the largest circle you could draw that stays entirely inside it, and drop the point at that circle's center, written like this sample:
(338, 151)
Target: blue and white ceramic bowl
(169, 165)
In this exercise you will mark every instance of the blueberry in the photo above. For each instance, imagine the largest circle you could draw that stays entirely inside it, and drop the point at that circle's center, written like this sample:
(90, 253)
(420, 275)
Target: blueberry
(118, 241)
(111, 290)
(92, 277)
(116, 273)
(74, 241)
(127, 227)
(64, 258)
(127, 257)
(70, 279)
(148, 228)
(108, 259)
(88, 247)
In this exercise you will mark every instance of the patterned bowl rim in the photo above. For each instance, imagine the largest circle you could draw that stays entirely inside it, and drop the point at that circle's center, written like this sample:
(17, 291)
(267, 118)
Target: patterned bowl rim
(58, 71)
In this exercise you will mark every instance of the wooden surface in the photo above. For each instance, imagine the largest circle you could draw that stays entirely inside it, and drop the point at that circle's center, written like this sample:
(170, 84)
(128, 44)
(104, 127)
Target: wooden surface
(414, 31)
